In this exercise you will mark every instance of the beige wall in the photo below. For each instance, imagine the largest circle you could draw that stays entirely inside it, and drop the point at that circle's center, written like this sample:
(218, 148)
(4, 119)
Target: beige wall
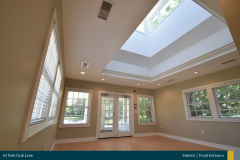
(23, 29)
(171, 113)
(66, 133)
(231, 12)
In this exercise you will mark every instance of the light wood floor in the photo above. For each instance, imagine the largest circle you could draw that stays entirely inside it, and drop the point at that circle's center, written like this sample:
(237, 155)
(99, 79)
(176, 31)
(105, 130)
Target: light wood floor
(151, 143)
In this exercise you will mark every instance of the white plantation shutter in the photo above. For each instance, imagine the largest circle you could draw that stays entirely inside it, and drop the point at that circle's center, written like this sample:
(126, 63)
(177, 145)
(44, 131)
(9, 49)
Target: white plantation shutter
(42, 101)
(49, 85)
(55, 94)
(58, 80)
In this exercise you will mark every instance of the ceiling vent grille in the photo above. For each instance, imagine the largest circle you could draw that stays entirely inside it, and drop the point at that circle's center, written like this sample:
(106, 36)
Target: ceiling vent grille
(104, 10)
(170, 80)
(85, 64)
(229, 61)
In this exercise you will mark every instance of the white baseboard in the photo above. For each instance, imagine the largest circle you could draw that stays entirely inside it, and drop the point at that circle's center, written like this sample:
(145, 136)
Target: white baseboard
(52, 146)
(145, 134)
(73, 140)
(215, 145)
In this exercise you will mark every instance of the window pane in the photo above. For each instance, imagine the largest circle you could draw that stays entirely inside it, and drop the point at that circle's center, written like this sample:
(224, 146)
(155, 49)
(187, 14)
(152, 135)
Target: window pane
(155, 21)
(229, 94)
(78, 113)
(169, 6)
(193, 114)
(50, 63)
(220, 94)
(53, 106)
(42, 100)
(201, 107)
(235, 113)
(70, 94)
(192, 107)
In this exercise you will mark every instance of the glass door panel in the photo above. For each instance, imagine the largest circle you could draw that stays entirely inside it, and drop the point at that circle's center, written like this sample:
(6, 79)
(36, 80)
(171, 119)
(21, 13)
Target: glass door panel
(123, 123)
(107, 116)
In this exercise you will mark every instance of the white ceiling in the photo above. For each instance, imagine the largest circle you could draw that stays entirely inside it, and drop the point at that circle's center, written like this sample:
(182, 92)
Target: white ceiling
(93, 40)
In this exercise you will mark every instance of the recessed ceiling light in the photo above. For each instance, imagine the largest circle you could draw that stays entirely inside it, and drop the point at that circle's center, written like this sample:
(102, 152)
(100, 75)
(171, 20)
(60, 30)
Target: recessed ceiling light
(82, 72)
(138, 84)
(159, 84)
(103, 79)
(196, 72)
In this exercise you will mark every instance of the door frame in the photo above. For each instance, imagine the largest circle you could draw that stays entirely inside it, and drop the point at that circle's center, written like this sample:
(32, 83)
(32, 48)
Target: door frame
(99, 111)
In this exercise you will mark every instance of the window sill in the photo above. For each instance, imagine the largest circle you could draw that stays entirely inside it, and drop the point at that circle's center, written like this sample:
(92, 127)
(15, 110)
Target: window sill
(73, 125)
(215, 120)
(38, 127)
(146, 124)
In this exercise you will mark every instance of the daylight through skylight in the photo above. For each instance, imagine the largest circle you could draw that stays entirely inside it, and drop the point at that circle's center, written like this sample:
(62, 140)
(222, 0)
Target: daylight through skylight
(140, 28)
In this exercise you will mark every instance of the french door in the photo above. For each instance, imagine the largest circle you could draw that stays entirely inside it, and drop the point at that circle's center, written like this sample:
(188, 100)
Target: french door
(115, 116)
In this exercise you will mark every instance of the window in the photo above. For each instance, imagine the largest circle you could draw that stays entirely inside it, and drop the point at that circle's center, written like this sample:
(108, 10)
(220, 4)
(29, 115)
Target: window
(228, 100)
(213, 102)
(49, 85)
(168, 7)
(43, 102)
(146, 111)
(140, 28)
(155, 21)
(198, 104)
(76, 108)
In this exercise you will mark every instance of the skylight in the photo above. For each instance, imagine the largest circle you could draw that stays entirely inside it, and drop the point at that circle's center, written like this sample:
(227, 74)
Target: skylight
(165, 23)
(168, 7)
(140, 28)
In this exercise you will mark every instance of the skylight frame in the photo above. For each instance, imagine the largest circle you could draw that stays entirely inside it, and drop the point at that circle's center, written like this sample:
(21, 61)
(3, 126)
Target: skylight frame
(141, 24)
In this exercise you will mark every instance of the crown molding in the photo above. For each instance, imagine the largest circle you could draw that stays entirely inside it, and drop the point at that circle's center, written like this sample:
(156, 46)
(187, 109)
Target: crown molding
(194, 62)
(126, 75)
(210, 10)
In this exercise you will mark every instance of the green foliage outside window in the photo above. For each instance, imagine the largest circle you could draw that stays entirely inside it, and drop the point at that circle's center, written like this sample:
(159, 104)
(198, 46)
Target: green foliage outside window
(199, 104)
(168, 8)
(155, 23)
(145, 110)
(228, 98)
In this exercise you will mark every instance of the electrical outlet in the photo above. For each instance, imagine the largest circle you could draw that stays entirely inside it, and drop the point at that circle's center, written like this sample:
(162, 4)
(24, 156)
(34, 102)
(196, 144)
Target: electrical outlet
(202, 131)
(45, 147)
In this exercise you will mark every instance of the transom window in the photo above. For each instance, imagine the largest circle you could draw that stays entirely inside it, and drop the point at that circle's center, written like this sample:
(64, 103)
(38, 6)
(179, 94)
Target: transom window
(198, 104)
(155, 21)
(168, 7)
(76, 107)
(146, 110)
(228, 100)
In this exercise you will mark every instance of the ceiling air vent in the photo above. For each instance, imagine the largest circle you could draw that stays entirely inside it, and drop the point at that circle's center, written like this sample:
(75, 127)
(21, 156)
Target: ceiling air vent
(85, 64)
(170, 80)
(104, 10)
(229, 61)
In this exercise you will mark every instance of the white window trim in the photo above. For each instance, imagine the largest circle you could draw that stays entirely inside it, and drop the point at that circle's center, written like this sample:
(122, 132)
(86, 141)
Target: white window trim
(153, 106)
(27, 130)
(61, 125)
(212, 102)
